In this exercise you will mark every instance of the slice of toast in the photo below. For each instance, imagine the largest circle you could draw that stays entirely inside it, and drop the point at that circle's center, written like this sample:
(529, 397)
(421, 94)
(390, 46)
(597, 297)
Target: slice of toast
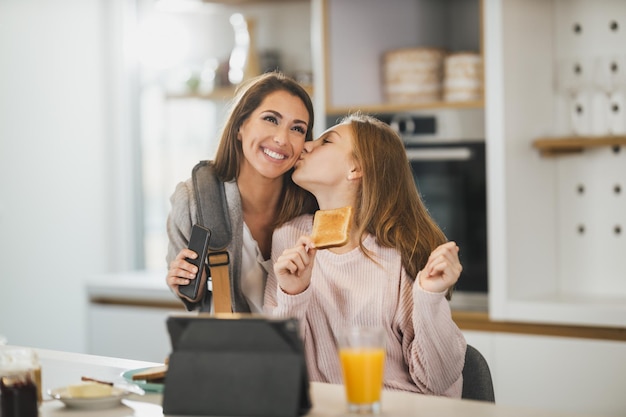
(151, 374)
(331, 228)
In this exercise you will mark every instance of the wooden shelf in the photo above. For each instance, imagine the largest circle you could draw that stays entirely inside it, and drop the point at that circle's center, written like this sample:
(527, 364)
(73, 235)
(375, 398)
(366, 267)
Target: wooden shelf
(406, 107)
(555, 146)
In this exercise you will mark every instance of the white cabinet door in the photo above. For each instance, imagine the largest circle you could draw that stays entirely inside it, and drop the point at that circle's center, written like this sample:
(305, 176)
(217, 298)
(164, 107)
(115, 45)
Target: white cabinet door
(128, 332)
(555, 373)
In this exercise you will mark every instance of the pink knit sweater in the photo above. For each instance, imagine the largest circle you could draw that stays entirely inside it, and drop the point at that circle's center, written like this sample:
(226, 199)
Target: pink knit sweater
(425, 348)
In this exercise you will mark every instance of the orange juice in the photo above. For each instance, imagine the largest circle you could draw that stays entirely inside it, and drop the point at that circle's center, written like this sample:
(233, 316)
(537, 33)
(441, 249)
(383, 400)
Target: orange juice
(362, 373)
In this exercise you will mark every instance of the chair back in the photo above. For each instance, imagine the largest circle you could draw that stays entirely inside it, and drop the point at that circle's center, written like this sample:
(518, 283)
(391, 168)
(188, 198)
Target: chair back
(477, 383)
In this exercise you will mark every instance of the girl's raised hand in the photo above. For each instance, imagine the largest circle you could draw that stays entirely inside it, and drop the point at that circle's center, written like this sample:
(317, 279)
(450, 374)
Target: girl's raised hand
(442, 270)
(293, 268)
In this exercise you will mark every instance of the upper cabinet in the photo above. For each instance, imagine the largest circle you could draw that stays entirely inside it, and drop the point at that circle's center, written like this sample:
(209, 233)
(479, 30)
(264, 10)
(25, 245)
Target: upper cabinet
(371, 51)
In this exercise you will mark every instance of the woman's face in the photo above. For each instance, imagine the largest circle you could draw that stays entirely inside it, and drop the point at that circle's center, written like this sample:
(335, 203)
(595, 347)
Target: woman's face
(327, 162)
(272, 138)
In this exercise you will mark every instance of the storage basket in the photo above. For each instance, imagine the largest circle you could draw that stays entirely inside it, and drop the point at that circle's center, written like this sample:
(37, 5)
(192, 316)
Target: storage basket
(463, 80)
(413, 75)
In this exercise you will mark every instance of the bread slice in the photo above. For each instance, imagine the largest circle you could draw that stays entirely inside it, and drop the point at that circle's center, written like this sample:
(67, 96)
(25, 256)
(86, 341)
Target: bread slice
(153, 374)
(331, 228)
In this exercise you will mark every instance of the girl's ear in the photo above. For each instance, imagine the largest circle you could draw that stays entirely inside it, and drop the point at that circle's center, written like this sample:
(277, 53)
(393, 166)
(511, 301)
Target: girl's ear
(355, 173)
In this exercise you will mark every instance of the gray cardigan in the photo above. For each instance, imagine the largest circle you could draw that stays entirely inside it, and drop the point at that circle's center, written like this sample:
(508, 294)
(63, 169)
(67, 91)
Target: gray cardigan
(184, 214)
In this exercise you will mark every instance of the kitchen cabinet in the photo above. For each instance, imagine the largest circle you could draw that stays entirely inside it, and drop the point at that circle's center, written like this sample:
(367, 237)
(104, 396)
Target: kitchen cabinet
(565, 374)
(127, 315)
(556, 225)
(351, 36)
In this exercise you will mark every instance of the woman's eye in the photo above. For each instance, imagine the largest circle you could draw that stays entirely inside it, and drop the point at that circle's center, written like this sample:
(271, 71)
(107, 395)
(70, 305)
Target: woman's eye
(300, 129)
(271, 119)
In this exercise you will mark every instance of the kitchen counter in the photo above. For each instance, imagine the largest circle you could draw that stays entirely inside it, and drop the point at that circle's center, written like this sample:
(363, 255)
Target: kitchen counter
(148, 289)
(134, 287)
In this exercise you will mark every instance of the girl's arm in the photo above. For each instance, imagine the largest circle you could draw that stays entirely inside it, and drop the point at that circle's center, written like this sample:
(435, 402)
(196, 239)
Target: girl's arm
(433, 345)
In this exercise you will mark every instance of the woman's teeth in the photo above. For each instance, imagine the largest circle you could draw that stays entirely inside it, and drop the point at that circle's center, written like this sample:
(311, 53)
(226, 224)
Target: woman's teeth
(273, 154)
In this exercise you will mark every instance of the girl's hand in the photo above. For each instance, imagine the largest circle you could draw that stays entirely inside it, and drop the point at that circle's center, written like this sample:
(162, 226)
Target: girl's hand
(181, 272)
(442, 270)
(293, 268)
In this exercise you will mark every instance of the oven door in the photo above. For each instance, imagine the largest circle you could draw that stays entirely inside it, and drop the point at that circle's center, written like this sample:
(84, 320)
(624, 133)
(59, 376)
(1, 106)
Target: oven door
(450, 178)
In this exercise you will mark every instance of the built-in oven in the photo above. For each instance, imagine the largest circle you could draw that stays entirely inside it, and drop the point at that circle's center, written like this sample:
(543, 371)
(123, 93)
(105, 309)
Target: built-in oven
(446, 151)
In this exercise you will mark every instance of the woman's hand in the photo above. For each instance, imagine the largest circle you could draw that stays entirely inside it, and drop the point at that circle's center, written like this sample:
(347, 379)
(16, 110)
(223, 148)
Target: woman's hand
(442, 270)
(293, 268)
(181, 272)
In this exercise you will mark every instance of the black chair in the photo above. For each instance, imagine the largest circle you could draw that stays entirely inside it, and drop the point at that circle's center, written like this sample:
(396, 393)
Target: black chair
(477, 383)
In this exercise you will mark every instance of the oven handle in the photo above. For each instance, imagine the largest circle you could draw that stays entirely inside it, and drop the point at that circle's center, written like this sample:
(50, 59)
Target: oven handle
(439, 154)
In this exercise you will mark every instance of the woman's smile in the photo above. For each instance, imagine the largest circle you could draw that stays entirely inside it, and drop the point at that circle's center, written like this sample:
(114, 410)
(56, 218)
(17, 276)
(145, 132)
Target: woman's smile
(274, 155)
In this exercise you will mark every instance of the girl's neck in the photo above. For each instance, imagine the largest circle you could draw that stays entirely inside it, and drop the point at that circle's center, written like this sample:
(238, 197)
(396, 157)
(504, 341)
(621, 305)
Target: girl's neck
(334, 199)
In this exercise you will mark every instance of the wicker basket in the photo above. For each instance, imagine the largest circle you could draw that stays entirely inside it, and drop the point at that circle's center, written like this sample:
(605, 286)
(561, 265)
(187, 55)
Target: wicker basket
(463, 77)
(413, 75)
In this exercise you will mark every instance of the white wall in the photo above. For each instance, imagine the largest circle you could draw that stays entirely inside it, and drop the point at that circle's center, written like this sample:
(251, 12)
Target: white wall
(57, 209)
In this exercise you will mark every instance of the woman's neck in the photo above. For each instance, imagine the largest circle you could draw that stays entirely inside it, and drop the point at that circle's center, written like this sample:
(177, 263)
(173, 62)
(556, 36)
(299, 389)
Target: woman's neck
(259, 204)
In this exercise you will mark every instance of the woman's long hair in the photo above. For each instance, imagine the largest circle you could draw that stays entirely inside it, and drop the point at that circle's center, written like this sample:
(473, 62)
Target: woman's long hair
(229, 156)
(388, 203)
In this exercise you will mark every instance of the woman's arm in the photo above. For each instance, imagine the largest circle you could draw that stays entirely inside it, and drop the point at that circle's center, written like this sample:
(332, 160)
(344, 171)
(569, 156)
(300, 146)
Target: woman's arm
(179, 222)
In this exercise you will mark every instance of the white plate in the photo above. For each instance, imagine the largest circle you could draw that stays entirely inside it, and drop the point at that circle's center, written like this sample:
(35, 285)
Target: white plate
(89, 402)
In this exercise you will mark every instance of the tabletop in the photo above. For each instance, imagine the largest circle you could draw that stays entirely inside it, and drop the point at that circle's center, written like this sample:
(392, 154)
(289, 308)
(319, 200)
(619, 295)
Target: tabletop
(65, 368)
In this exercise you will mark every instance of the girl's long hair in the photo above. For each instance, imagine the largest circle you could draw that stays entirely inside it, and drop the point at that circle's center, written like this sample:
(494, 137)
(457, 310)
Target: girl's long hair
(229, 156)
(388, 204)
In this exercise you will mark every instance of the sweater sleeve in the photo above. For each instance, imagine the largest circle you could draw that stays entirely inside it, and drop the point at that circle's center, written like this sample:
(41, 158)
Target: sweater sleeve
(181, 218)
(433, 345)
(276, 302)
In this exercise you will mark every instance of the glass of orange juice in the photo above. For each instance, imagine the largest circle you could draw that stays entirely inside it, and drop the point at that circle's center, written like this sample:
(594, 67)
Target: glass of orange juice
(362, 356)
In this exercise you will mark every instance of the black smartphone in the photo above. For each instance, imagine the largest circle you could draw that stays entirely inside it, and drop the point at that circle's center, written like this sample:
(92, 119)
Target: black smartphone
(199, 243)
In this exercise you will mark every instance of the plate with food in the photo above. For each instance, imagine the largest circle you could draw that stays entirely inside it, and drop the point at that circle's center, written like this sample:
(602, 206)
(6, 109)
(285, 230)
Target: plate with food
(89, 395)
(149, 379)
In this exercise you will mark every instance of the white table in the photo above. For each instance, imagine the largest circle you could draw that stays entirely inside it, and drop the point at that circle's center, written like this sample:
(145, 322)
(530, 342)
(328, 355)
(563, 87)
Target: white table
(63, 368)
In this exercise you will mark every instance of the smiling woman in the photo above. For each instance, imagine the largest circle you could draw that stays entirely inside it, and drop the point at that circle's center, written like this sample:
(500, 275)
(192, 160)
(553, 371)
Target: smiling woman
(263, 137)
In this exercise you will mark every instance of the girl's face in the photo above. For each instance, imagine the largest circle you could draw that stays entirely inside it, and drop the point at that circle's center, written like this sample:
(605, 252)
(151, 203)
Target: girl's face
(328, 162)
(272, 138)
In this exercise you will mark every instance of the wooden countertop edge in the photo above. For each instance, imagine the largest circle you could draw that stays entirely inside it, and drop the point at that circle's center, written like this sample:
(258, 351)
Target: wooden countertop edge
(480, 321)
(128, 302)
(466, 320)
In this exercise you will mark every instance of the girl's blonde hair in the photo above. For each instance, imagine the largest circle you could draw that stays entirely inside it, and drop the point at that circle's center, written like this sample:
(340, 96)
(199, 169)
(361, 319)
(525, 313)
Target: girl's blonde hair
(388, 204)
